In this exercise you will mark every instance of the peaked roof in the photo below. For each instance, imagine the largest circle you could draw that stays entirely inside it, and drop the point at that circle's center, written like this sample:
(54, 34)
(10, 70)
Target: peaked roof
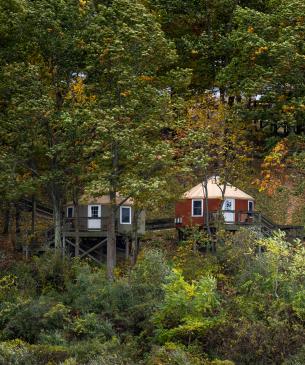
(215, 191)
(103, 200)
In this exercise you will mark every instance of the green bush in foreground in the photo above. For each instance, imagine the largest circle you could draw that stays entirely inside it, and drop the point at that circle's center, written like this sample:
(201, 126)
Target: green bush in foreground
(157, 314)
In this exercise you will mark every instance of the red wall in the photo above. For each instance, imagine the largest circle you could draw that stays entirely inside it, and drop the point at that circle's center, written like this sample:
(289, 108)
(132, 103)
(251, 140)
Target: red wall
(184, 210)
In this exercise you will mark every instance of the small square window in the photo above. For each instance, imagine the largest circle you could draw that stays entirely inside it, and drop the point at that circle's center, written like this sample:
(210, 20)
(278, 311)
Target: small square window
(125, 215)
(94, 211)
(197, 208)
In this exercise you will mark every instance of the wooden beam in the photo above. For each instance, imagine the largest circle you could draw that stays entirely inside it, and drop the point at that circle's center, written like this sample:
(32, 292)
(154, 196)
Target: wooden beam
(83, 251)
(93, 248)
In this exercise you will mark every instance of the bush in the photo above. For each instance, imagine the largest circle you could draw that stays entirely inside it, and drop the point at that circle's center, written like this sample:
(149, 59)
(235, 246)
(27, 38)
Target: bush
(172, 354)
(90, 326)
(188, 310)
(17, 352)
(296, 359)
(256, 342)
(26, 320)
(97, 353)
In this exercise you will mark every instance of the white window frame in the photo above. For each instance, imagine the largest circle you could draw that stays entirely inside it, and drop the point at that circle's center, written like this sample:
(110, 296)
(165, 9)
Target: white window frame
(99, 214)
(250, 201)
(197, 200)
(121, 216)
(68, 211)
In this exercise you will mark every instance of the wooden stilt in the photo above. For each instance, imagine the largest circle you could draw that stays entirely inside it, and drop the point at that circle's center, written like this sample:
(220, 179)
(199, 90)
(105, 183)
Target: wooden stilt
(93, 248)
(127, 247)
(63, 245)
(87, 253)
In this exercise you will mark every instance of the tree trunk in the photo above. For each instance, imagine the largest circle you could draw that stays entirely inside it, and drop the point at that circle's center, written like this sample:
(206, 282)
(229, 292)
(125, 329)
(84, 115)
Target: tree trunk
(10, 227)
(76, 223)
(135, 238)
(6, 221)
(33, 215)
(57, 217)
(111, 234)
(111, 238)
(17, 223)
(223, 193)
(206, 200)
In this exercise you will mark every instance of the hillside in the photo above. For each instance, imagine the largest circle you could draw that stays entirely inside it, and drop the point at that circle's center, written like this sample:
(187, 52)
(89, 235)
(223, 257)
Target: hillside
(152, 169)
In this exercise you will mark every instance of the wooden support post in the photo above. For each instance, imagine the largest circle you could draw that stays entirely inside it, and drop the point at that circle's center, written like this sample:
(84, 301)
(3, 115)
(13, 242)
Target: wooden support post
(63, 245)
(127, 247)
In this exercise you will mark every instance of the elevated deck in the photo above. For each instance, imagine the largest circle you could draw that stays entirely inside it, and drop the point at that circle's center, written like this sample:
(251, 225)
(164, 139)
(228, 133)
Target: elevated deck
(248, 220)
(91, 227)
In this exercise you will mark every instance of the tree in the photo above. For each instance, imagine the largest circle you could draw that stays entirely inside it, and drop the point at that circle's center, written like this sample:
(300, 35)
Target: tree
(215, 143)
(266, 68)
(130, 71)
(200, 31)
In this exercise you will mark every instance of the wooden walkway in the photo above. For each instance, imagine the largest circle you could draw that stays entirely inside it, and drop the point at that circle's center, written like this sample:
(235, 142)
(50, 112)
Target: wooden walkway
(251, 220)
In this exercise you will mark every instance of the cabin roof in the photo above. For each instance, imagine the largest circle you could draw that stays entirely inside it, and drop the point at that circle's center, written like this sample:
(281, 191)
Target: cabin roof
(103, 200)
(214, 191)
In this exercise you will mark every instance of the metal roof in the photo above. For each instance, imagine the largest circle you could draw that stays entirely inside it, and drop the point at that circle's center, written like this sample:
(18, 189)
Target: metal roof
(215, 191)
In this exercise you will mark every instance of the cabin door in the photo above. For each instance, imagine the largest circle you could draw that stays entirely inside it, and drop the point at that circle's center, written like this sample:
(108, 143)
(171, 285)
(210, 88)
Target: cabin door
(228, 209)
(94, 217)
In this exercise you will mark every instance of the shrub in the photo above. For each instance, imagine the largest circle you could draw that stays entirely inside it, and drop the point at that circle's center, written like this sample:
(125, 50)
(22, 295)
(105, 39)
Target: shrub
(90, 326)
(94, 352)
(188, 310)
(296, 359)
(84, 293)
(172, 354)
(26, 320)
(17, 352)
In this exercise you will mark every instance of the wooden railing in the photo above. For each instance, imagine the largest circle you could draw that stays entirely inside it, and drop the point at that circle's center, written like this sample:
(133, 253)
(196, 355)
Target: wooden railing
(158, 224)
(246, 217)
(238, 217)
(85, 224)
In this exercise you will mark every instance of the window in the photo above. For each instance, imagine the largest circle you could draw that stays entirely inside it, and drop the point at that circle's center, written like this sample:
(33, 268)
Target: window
(94, 211)
(125, 215)
(197, 208)
(250, 208)
(70, 212)
(228, 204)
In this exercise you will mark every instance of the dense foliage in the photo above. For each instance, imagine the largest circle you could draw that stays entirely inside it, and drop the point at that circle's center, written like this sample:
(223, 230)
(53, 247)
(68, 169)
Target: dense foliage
(244, 305)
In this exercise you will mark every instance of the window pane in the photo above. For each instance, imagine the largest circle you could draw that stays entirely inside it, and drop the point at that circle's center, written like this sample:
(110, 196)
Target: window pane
(125, 212)
(70, 212)
(250, 206)
(197, 207)
(94, 212)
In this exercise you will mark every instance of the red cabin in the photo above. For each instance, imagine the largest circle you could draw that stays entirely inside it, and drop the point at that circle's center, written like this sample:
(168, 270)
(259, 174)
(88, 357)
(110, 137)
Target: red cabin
(236, 208)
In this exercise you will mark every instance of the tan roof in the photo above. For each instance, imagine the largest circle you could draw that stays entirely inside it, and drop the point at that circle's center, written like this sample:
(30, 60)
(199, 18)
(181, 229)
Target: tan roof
(103, 199)
(214, 191)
